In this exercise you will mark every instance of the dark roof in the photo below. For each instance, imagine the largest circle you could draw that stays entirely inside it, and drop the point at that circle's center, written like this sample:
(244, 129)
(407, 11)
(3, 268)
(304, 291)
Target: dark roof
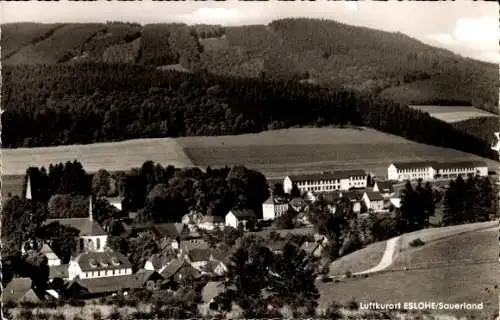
(102, 260)
(414, 164)
(60, 271)
(327, 175)
(212, 219)
(179, 266)
(142, 276)
(159, 260)
(169, 229)
(244, 213)
(330, 196)
(108, 284)
(385, 186)
(197, 255)
(222, 255)
(86, 226)
(352, 195)
(16, 289)
(374, 196)
(459, 165)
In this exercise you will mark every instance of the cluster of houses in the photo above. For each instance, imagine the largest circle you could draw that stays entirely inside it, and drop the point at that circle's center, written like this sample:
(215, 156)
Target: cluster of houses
(95, 270)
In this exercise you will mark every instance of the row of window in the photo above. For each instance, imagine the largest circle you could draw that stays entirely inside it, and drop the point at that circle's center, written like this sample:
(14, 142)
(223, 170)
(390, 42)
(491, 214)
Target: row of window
(322, 182)
(104, 273)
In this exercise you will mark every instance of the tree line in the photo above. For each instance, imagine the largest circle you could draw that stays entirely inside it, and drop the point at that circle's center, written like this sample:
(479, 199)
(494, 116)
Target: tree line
(87, 103)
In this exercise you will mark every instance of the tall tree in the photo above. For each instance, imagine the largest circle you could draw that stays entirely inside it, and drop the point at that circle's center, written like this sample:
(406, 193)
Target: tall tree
(101, 183)
(61, 238)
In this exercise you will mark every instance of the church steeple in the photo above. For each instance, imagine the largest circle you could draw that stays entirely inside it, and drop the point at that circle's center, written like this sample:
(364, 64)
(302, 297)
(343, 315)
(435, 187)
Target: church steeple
(28, 189)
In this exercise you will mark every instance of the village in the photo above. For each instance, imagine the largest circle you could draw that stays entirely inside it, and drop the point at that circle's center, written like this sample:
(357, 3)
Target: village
(197, 249)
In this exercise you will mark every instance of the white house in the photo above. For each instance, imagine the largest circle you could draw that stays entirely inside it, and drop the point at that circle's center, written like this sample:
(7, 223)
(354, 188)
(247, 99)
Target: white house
(198, 258)
(211, 223)
(235, 218)
(373, 201)
(327, 181)
(92, 236)
(52, 258)
(402, 171)
(356, 197)
(273, 208)
(90, 265)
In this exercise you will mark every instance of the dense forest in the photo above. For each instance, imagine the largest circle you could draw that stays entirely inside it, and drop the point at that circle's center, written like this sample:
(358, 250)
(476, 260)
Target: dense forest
(84, 103)
(311, 50)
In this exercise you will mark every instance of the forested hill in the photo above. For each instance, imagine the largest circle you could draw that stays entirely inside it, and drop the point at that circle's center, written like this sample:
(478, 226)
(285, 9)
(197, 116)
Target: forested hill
(89, 102)
(315, 51)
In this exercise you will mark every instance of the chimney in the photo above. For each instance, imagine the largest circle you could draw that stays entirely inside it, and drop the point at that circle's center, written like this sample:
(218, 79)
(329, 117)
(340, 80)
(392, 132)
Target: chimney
(90, 208)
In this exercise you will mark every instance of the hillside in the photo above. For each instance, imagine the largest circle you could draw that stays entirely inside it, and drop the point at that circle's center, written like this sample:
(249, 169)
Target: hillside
(316, 51)
(82, 103)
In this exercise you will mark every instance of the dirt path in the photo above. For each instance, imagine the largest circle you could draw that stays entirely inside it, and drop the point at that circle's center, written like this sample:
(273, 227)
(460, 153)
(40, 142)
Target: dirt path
(391, 247)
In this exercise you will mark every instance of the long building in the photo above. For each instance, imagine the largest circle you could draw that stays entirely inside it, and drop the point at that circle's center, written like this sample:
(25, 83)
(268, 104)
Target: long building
(327, 181)
(432, 170)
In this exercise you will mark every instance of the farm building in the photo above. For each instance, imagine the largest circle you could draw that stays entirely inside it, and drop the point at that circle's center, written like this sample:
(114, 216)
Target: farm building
(327, 181)
(373, 201)
(273, 208)
(430, 170)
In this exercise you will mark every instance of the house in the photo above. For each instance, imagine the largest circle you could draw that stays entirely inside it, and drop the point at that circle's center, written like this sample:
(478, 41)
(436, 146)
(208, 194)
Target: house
(52, 258)
(237, 218)
(90, 265)
(385, 188)
(95, 287)
(198, 258)
(158, 261)
(356, 198)
(273, 208)
(313, 248)
(192, 218)
(179, 270)
(215, 267)
(115, 202)
(91, 237)
(168, 230)
(193, 242)
(373, 201)
(430, 170)
(211, 223)
(394, 203)
(327, 181)
(329, 197)
(148, 279)
(20, 290)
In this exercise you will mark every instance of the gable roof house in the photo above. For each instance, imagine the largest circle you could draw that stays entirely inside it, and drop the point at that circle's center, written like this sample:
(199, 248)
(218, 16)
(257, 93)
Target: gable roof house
(385, 188)
(235, 218)
(20, 290)
(178, 270)
(99, 265)
(147, 279)
(95, 287)
(374, 201)
(273, 208)
(52, 258)
(327, 181)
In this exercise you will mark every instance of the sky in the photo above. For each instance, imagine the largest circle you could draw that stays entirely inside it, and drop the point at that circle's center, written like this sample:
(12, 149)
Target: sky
(468, 28)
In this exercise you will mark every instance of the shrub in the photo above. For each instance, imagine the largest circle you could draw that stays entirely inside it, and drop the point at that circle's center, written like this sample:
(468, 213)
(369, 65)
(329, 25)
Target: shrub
(333, 311)
(10, 304)
(97, 315)
(76, 303)
(43, 316)
(115, 314)
(348, 274)
(26, 314)
(58, 316)
(416, 243)
(353, 304)
(28, 304)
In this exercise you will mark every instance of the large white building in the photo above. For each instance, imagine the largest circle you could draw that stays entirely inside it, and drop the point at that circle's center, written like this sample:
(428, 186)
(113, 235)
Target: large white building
(273, 208)
(90, 265)
(431, 170)
(327, 181)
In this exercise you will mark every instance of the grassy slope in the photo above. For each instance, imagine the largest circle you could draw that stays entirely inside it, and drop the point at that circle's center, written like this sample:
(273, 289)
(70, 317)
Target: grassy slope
(281, 152)
(457, 282)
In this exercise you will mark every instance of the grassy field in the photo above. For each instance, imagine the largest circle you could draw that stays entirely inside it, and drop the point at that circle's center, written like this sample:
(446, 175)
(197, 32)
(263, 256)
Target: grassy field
(281, 152)
(113, 156)
(461, 269)
(452, 114)
(370, 256)
(16, 36)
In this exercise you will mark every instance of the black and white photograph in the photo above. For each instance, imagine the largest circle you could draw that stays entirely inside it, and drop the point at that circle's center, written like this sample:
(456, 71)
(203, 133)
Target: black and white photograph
(250, 160)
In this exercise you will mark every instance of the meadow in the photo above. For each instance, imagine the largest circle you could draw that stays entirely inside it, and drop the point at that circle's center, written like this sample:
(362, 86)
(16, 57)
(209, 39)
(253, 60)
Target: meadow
(112, 156)
(463, 268)
(452, 114)
(291, 151)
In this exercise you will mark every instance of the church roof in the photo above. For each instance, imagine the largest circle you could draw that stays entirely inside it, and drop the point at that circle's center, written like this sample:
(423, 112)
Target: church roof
(86, 226)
